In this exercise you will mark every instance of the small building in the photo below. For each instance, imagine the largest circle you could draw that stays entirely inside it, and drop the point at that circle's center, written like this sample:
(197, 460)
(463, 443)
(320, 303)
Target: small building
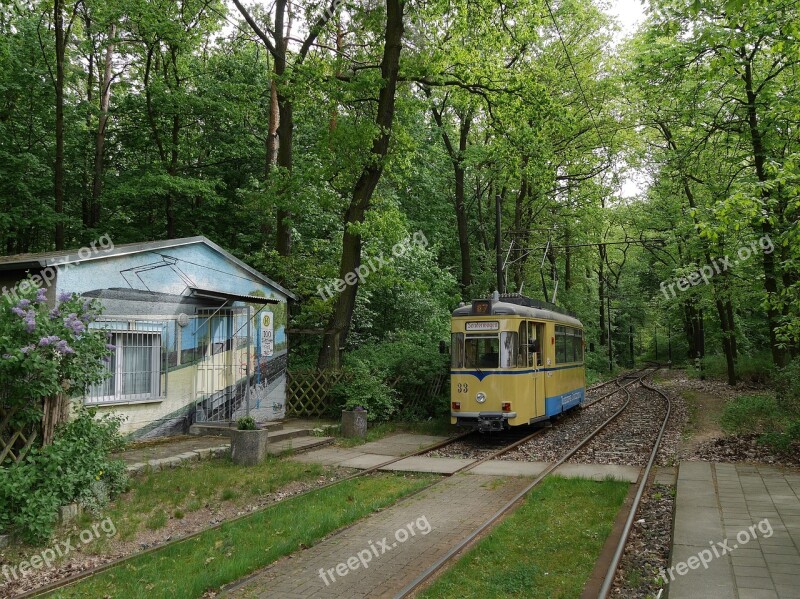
(200, 336)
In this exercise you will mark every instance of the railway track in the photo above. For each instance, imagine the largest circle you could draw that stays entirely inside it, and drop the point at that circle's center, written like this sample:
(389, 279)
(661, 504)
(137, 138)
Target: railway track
(77, 577)
(630, 377)
(492, 447)
(431, 572)
(489, 448)
(608, 581)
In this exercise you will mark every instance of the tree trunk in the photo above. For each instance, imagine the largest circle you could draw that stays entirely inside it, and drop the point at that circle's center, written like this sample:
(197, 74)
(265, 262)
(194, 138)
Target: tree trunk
(498, 243)
(759, 160)
(601, 293)
(283, 224)
(461, 206)
(55, 411)
(100, 137)
(86, 197)
(365, 185)
(58, 170)
(272, 129)
(519, 237)
(457, 159)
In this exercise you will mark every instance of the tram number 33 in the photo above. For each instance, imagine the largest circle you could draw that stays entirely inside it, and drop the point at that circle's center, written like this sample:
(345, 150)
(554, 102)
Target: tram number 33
(463, 387)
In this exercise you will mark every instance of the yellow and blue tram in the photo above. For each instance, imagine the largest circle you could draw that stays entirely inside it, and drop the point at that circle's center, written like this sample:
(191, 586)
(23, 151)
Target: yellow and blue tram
(515, 361)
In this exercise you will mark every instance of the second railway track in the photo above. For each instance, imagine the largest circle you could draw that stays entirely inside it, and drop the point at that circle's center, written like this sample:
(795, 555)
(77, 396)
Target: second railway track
(618, 408)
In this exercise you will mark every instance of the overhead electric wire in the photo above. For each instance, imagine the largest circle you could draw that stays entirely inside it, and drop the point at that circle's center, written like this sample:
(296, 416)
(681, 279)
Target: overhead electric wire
(578, 81)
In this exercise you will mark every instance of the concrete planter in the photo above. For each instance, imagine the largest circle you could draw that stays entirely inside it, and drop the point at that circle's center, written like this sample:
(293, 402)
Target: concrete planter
(248, 448)
(354, 423)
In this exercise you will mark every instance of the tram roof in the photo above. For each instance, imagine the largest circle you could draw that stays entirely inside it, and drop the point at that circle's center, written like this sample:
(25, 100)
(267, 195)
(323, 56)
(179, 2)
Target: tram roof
(501, 308)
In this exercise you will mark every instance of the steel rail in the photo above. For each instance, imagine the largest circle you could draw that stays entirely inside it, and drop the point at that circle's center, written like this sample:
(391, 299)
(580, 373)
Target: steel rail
(620, 386)
(437, 565)
(605, 589)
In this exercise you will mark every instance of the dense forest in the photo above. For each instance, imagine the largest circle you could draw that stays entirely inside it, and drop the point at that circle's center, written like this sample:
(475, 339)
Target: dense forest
(491, 139)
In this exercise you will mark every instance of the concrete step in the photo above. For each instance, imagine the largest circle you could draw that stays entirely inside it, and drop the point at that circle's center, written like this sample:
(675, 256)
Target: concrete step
(297, 444)
(224, 428)
(288, 433)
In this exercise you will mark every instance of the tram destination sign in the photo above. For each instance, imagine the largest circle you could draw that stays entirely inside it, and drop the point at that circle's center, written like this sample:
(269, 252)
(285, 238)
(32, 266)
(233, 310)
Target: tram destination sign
(485, 325)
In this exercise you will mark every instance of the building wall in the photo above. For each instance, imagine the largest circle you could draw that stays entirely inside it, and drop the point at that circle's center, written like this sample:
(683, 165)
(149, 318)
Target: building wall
(150, 291)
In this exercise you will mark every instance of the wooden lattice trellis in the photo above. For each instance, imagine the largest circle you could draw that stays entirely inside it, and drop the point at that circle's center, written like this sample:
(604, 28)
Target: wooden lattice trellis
(14, 443)
(307, 391)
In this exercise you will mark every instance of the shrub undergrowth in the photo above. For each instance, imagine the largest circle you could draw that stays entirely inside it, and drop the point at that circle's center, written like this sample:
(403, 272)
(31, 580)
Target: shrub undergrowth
(75, 468)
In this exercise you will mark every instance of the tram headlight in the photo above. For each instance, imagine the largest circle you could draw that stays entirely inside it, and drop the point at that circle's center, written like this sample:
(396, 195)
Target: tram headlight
(480, 397)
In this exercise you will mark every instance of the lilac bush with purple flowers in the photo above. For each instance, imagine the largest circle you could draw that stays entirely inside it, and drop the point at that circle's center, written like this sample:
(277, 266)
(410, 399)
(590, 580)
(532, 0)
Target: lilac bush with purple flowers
(46, 351)
(47, 355)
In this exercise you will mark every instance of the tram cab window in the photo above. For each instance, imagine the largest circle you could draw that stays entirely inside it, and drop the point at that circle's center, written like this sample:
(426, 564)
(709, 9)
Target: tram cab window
(457, 350)
(509, 348)
(482, 351)
(535, 334)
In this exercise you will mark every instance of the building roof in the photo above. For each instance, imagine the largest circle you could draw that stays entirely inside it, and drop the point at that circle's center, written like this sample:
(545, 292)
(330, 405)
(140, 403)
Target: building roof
(45, 259)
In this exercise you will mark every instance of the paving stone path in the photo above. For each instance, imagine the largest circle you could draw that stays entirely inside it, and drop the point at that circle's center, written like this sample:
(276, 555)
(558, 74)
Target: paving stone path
(378, 556)
(737, 532)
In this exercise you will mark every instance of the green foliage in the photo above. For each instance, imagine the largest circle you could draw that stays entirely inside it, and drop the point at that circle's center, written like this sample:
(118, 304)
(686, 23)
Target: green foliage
(748, 414)
(787, 388)
(246, 423)
(366, 388)
(775, 420)
(382, 375)
(75, 468)
(750, 368)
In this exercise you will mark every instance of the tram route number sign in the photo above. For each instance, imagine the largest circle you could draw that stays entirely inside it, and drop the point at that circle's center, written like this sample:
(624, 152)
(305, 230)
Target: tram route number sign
(267, 334)
(485, 325)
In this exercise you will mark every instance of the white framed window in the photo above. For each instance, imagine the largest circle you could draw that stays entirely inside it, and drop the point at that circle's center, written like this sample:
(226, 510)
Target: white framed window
(134, 369)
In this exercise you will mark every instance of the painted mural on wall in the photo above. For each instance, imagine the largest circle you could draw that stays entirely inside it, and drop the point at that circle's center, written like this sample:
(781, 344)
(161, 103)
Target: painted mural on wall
(183, 359)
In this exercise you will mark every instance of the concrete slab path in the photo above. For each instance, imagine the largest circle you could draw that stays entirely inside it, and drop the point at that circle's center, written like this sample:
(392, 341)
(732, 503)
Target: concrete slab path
(736, 532)
(379, 555)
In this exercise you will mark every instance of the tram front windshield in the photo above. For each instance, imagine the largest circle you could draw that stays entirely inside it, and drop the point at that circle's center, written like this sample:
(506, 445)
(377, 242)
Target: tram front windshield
(482, 351)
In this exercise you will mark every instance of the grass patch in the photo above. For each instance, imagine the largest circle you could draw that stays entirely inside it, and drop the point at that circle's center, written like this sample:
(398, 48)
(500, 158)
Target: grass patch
(223, 555)
(157, 519)
(546, 549)
(764, 415)
(192, 486)
(756, 368)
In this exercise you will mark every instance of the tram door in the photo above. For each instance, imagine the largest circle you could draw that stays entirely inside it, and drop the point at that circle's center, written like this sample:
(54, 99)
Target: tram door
(535, 342)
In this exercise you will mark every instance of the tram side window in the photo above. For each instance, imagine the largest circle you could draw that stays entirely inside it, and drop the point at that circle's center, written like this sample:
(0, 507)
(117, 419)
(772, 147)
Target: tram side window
(457, 350)
(482, 351)
(561, 345)
(524, 358)
(577, 341)
(509, 347)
